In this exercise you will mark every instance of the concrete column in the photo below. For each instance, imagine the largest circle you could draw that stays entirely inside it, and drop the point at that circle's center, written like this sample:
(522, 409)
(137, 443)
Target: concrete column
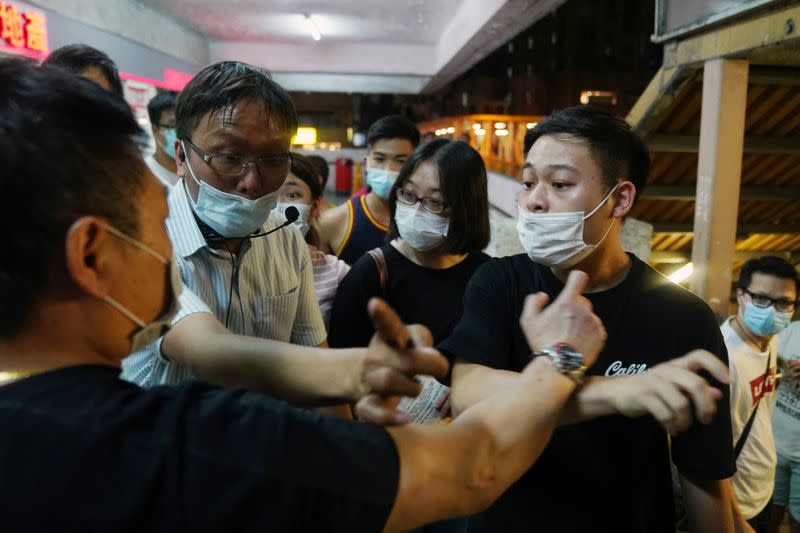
(719, 174)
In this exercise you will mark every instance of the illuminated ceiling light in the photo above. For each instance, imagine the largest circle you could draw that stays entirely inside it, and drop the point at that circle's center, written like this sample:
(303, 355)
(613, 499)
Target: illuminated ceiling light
(480, 132)
(499, 125)
(501, 133)
(531, 125)
(682, 274)
(305, 136)
(477, 126)
(312, 27)
(451, 129)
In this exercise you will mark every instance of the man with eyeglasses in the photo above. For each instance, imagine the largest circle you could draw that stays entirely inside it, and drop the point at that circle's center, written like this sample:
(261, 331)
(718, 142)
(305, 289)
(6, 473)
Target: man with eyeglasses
(767, 295)
(234, 127)
(161, 110)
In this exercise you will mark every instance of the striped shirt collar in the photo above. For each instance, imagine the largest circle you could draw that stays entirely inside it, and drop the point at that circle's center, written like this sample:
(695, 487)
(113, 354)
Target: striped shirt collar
(181, 225)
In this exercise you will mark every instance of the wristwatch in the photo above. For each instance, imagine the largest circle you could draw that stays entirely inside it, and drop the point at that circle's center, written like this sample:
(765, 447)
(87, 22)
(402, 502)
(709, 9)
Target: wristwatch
(566, 359)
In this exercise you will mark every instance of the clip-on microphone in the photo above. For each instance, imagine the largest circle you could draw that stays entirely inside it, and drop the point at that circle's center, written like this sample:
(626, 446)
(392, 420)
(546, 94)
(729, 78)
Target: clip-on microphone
(291, 213)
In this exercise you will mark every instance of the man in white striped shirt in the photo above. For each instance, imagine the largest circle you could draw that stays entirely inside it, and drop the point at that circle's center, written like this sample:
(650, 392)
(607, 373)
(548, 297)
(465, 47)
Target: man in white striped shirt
(234, 128)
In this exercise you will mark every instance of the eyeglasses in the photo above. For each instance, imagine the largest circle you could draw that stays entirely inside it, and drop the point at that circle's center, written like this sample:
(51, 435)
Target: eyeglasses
(432, 205)
(235, 165)
(781, 304)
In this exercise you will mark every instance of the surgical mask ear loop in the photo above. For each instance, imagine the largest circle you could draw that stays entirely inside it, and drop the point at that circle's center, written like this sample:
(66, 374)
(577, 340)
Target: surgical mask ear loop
(603, 201)
(611, 225)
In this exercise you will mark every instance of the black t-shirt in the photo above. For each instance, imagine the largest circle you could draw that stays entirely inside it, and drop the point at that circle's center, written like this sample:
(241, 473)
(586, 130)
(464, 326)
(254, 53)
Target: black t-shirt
(420, 295)
(610, 474)
(81, 450)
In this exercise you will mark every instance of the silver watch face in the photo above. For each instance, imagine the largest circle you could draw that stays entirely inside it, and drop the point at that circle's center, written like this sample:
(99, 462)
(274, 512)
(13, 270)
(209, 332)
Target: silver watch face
(570, 358)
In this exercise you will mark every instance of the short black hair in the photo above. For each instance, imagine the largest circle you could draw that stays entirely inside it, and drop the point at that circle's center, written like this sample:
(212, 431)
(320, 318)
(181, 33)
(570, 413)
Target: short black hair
(393, 127)
(159, 103)
(620, 152)
(78, 57)
(462, 180)
(771, 266)
(220, 86)
(321, 166)
(64, 167)
(304, 169)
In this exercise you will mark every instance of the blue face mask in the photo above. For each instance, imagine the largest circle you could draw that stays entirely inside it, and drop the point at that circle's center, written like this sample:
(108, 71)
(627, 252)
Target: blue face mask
(169, 138)
(381, 181)
(230, 215)
(765, 321)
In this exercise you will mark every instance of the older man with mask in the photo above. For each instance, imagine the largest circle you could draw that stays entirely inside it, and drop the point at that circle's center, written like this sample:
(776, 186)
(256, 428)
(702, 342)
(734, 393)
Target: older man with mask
(90, 279)
(234, 127)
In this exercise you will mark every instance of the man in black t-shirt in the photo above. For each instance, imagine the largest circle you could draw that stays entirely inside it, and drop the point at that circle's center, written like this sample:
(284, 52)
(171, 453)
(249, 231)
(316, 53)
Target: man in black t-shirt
(604, 470)
(87, 277)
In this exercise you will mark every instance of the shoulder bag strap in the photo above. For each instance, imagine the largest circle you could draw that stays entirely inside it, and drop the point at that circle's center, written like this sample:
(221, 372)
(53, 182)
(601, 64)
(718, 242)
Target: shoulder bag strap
(383, 268)
(737, 450)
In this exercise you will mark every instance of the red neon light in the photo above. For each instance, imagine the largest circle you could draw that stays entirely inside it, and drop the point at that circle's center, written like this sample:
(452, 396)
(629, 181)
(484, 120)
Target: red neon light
(22, 31)
(173, 79)
(176, 79)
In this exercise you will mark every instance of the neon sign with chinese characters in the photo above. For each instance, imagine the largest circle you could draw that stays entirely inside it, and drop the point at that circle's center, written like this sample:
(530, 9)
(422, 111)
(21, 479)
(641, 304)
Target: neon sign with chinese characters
(25, 30)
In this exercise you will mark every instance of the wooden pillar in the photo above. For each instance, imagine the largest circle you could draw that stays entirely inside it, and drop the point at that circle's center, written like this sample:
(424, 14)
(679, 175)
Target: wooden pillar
(719, 175)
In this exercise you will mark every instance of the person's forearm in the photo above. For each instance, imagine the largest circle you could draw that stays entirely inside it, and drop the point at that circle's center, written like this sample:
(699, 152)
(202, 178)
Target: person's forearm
(298, 374)
(594, 399)
(740, 524)
(520, 421)
(474, 383)
(462, 468)
(709, 505)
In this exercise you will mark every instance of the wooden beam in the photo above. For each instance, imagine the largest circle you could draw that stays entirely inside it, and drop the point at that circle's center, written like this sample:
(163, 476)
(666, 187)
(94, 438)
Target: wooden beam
(753, 193)
(741, 229)
(690, 144)
(734, 40)
(657, 256)
(661, 93)
(719, 175)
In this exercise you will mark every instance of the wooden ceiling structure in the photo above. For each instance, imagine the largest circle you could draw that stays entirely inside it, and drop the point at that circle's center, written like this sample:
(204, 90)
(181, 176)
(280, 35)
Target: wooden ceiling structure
(668, 115)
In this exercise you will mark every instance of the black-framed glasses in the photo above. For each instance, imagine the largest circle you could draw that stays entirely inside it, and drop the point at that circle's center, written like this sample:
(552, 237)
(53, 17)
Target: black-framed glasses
(236, 165)
(780, 304)
(432, 205)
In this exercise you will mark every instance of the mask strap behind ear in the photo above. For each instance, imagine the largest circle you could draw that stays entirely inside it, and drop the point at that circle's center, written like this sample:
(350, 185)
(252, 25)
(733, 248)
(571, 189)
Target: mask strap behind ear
(119, 307)
(188, 165)
(602, 203)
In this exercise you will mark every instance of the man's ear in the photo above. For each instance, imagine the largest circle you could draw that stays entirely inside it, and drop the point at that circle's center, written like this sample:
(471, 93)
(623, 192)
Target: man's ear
(180, 158)
(624, 197)
(88, 256)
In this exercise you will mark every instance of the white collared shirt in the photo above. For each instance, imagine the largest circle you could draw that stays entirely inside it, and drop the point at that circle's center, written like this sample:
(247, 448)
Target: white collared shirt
(164, 175)
(273, 293)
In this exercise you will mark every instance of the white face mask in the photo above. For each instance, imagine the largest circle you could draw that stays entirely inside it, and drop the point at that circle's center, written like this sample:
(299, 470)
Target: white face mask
(150, 331)
(381, 181)
(230, 215)
(556, 239)
(302, 222)
(422, 231)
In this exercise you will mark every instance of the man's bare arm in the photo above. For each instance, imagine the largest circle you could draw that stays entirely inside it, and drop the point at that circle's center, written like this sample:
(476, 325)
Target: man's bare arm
(709, 505)
(299, 374)
(332, 228)
(671, 392)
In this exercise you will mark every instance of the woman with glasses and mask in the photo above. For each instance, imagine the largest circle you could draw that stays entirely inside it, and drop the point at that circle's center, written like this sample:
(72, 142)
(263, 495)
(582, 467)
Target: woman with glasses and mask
(303, 191)
(439, 225)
